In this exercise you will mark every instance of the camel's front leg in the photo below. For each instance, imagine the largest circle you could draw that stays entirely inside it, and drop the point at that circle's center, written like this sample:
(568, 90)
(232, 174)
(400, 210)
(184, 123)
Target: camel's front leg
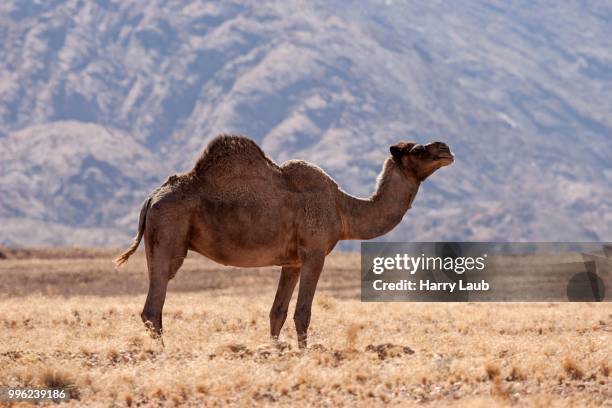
(312, 264)
(278, 313)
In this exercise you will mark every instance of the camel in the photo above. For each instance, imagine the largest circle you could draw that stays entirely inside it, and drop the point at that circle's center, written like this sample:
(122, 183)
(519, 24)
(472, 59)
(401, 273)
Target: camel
(238, 207)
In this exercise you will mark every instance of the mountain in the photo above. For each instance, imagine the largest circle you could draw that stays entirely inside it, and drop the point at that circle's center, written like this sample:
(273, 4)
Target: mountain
(100, 101)
(64, 181)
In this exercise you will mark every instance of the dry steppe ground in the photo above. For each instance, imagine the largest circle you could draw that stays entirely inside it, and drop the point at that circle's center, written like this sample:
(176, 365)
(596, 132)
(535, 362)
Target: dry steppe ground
(68, 318)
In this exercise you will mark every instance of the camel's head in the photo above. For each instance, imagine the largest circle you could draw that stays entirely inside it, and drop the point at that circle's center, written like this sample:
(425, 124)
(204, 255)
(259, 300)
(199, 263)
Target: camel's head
(421, 160)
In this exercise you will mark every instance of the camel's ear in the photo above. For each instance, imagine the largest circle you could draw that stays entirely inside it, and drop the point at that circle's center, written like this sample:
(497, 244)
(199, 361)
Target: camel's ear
(400, 149)
(396, 151)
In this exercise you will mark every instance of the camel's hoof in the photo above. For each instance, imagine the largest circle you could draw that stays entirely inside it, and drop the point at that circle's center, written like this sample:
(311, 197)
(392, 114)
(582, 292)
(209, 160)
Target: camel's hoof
(282, 346)
(302, 342)
(153, 332)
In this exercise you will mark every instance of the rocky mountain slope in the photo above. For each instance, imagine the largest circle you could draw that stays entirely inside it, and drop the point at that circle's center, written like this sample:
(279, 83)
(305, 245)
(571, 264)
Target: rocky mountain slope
(101, 100)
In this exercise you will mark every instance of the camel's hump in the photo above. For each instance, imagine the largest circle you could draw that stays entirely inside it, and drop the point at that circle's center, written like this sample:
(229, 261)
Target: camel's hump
(233, 155)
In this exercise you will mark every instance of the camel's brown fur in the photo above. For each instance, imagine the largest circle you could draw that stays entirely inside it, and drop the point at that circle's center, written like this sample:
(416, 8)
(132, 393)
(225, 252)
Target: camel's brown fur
(238, 207)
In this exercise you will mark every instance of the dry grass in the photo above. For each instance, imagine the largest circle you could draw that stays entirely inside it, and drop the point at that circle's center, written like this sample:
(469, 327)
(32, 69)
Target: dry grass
(75, 322)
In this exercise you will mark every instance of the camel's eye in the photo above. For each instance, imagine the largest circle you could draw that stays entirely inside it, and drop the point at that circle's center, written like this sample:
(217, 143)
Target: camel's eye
(418, 150)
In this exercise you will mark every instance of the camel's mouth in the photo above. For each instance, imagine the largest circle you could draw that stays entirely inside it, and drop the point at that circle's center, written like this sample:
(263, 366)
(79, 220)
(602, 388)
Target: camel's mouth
(445, 157)
(443, 153)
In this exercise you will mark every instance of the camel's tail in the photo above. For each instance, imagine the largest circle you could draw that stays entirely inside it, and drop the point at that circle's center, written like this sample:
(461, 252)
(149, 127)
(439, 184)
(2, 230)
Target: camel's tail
(123, 258)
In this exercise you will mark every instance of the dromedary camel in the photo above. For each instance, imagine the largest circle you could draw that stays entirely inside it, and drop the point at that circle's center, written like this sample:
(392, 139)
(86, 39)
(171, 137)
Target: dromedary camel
(237, 207)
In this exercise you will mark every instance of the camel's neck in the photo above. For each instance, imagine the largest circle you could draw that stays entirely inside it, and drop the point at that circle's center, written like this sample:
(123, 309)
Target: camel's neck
(377, 215)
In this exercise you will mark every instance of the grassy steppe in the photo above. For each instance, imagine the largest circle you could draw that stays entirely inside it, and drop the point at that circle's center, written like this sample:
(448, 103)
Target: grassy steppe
(68, 318)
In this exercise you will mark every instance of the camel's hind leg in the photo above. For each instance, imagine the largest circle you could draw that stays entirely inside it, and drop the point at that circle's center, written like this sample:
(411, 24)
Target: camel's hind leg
(278, 313)
(166, 248)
